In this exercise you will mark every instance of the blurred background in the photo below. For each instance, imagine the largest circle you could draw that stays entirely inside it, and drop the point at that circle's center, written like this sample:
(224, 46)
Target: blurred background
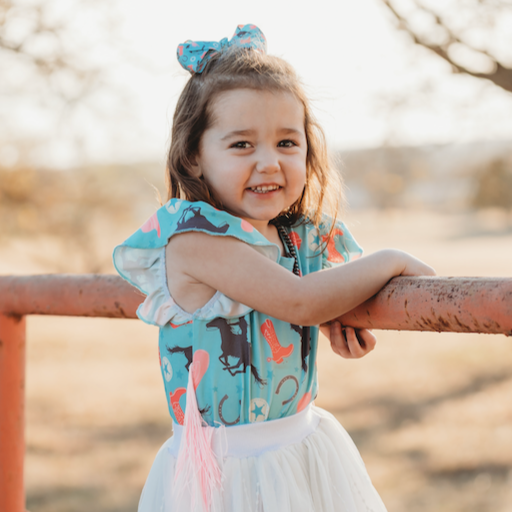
(415, 97)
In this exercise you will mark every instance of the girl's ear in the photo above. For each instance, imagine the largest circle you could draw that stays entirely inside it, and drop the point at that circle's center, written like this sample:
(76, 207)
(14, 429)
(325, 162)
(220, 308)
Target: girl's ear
(195, 168)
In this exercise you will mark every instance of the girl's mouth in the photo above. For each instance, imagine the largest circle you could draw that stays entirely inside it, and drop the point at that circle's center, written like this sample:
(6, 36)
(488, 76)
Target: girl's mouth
(264, 189)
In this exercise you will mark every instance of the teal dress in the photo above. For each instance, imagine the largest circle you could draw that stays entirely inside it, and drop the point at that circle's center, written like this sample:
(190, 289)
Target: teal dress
(253, 367)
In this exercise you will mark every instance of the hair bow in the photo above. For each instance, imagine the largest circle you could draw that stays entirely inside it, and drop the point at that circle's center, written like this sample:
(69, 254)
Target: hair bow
(194, 55)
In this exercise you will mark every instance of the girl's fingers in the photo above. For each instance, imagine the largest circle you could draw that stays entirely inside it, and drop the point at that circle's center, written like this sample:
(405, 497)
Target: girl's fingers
(354, 346)
(367, 339)
(338, 343)
(348, 342)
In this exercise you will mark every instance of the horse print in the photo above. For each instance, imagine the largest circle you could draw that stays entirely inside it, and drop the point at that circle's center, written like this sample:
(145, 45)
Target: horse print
(305, 346)
(191, 218)
(186, 351)
(235, 345)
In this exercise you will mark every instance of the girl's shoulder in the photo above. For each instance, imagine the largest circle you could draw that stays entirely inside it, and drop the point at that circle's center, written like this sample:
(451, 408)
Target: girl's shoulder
(141, 259)
(180, 216)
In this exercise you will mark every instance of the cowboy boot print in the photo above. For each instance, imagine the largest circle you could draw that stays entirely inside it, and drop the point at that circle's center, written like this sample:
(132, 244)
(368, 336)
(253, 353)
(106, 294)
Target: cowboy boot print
(332, 253)
(278, 351)
(200, 363)
(296, 239)
(175, 404)
(151, 224)
(304, 401)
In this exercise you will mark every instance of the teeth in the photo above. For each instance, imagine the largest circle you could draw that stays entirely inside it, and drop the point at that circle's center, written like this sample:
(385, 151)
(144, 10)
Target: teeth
(264, 189)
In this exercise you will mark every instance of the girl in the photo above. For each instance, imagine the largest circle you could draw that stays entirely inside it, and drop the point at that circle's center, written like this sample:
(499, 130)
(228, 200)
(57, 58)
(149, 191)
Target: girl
(239, 267)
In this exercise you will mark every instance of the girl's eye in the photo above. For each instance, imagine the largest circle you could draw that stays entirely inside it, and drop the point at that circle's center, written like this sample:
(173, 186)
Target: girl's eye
(286, 144)
(243, 144)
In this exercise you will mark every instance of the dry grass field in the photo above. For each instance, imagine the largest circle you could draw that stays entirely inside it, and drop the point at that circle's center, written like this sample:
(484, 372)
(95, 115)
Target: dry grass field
(431, 413)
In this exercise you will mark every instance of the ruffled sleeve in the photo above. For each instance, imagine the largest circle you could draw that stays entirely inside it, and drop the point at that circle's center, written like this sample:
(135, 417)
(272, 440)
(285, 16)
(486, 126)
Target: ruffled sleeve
(141, 259)
(341, 248)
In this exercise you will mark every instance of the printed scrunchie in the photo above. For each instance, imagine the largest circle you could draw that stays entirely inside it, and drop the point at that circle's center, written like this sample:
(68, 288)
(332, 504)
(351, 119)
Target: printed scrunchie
(194, 55)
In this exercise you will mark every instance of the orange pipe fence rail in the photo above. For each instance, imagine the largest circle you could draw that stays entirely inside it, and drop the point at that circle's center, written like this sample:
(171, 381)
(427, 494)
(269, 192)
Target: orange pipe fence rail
(453, 304)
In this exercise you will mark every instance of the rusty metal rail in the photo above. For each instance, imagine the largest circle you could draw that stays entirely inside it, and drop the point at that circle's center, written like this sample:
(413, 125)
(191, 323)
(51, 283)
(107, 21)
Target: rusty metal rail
(69, 295)
(482, 305)
(442, 304)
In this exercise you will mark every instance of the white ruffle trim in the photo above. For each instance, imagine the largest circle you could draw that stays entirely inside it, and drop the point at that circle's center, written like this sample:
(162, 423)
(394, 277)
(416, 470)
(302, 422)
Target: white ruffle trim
(145, 269)
(322, 473)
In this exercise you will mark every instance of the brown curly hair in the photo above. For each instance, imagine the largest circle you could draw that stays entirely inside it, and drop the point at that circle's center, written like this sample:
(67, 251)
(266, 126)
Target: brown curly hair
(240, 68)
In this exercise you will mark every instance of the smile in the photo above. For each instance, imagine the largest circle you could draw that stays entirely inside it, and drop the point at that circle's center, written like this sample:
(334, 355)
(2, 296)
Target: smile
(264, 189)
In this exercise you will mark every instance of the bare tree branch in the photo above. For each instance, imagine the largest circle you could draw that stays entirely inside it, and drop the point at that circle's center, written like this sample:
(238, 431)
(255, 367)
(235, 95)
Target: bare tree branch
(58, 61)
(59, 69)
(500, 74)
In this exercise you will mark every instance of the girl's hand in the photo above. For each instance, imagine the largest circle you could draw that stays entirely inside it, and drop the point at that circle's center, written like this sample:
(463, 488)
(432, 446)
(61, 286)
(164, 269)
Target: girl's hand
(415, 267)
(348, 342)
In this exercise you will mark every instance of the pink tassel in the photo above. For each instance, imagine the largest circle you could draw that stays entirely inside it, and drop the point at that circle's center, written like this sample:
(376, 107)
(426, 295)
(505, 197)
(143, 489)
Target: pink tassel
(197, 467)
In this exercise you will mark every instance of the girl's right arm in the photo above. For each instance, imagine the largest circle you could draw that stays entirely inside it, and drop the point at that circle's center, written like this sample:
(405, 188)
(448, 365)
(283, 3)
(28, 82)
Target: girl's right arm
(242, 274)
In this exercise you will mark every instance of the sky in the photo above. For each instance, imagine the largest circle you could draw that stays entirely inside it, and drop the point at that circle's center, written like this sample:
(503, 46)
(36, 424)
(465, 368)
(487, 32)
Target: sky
(368, 85)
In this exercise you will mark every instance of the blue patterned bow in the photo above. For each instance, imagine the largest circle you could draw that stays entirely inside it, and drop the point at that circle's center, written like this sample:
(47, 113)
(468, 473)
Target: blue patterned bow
(194, 55)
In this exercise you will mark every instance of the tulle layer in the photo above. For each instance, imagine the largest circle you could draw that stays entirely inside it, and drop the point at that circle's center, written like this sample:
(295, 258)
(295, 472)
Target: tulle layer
(322, 473)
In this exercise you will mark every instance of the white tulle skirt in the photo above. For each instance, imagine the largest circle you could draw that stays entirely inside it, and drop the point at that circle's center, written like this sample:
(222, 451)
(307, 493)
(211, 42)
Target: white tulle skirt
(302, 463)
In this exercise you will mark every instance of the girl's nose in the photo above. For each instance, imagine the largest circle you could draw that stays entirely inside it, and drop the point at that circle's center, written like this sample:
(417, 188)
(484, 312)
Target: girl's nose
(267, 162)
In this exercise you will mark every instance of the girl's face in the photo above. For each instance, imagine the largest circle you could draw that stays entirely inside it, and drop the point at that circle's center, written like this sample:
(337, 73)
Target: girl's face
(253, 156)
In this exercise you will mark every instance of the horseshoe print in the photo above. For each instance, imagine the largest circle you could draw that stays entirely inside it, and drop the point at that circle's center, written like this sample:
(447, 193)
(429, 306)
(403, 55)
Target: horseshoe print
(283, 380)
(223, 399)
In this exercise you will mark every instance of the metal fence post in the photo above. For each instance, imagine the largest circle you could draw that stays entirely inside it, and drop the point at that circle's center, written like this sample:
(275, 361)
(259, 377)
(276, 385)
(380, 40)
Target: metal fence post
(12, 414)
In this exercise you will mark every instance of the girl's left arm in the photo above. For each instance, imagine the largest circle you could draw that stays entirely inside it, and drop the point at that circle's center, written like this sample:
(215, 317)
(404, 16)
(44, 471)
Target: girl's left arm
(241, 273)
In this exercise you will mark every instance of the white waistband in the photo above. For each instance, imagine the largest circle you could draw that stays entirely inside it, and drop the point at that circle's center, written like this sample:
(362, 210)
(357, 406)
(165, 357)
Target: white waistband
(253, 439)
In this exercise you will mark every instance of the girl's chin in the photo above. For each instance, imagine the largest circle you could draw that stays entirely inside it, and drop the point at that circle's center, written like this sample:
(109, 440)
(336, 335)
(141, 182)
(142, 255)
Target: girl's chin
(260, 219)
(264, 214)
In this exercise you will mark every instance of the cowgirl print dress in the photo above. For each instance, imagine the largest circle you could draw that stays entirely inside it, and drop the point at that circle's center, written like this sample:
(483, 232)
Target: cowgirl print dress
(253, 367)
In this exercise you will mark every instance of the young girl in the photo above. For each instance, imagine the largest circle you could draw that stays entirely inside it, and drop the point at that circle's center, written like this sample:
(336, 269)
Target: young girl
(240, 267)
